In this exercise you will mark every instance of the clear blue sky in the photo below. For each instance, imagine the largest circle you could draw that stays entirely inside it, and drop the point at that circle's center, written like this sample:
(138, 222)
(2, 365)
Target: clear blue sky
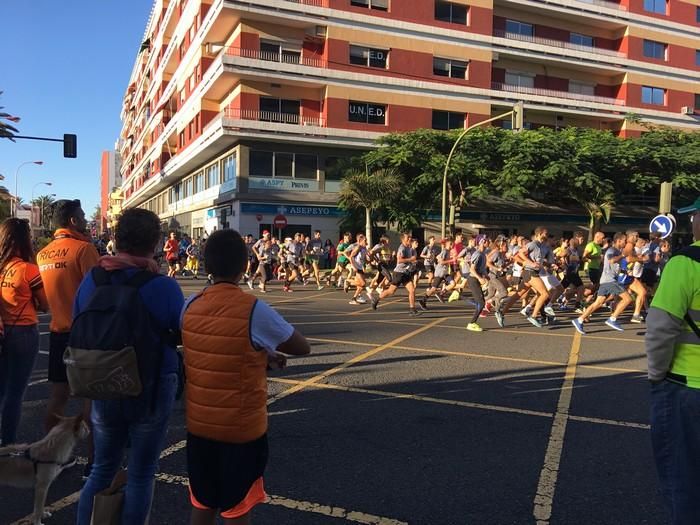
(64, 68)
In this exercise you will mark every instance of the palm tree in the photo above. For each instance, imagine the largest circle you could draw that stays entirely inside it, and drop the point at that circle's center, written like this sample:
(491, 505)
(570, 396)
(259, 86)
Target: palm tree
(45, 205)
(369, 191)
(7, 130)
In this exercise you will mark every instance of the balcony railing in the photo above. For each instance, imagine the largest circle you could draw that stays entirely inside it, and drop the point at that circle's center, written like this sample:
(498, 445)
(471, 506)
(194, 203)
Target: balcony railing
(600, 3)
(556, 43)
(270, 116)
(284, 58)
(511, 88)
(315, 3)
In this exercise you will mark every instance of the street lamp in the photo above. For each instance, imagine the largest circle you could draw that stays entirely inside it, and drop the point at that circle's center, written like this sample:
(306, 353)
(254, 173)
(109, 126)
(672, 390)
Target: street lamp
(38, 163)
(39, 184)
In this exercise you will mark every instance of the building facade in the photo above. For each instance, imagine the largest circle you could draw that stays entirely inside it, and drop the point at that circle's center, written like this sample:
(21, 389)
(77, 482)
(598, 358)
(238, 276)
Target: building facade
(237, 112)
(110, 180)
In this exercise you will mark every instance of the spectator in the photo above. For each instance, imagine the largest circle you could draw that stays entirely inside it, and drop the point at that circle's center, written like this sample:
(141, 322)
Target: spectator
(115, 422)
(230, 338)
(22, 293)
(329, 249)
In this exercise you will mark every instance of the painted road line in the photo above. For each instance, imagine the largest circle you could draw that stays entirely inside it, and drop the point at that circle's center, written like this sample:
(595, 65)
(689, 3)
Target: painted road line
(38, 382)
(612, 422)
(544, 498)
(356, 359)
(299, 297)
(370, 309)
(304, 506)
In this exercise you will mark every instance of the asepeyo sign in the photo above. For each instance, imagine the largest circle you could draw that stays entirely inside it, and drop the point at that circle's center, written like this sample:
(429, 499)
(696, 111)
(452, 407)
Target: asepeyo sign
(260, 183)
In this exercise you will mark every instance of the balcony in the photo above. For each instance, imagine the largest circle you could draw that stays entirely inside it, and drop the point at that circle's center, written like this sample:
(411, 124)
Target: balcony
(510, 88)
(275, 117)
(499, 33)
(599, 3)
(315, 3)
(284, 58)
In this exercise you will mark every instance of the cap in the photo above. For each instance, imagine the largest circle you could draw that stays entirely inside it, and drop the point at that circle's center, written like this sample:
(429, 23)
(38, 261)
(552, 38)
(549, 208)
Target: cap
(481, 239)
(691, 208)
(265, 232)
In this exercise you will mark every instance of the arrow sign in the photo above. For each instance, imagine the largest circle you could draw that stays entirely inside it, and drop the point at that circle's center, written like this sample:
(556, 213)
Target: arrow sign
(662, 224)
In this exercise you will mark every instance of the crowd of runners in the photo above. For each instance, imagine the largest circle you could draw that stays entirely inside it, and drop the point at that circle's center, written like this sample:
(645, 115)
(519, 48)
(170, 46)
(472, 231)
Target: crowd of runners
(538, 275)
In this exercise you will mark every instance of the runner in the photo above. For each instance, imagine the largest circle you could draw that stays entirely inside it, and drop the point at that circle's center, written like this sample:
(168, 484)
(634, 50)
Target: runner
(497, 261)
(609, 286)
(429, 255)
(254, 266)
(571, 262)
(171, 249)
(314, 251)
(592, 257)
(193, 255)
(293, 250)
(341, 262)
(357, 254)
(381, 256)
(634, 254)
(402, 275)
(477, 280)
(442, 274)
(252, 260)
(535, 254)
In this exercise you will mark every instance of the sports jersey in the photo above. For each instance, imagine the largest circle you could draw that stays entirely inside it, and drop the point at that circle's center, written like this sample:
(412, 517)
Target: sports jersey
(404, 252)
(63, 264)
(610, 269)
(315, 248)
(358, 261)
(594, 253)
(171, 249)
(478, 260)
(441, 268)
(342, 246)
(19, 280)
(536, 255)
(291, 256)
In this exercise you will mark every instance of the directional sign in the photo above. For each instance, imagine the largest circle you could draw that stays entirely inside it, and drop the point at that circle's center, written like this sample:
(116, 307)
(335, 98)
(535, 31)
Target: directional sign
(280, 221)
(662, 224)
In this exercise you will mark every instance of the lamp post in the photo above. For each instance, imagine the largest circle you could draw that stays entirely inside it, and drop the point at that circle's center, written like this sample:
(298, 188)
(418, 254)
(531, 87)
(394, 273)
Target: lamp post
(41, 217)
(32, 201)
(16, 196)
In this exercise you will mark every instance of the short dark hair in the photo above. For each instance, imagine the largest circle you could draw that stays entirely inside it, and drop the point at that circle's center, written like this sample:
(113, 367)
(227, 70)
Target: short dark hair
(64, 210)
(225, 254)
(137, 232)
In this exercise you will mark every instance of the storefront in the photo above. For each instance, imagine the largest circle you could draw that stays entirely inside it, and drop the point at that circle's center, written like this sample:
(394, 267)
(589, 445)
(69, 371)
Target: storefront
(255, 217)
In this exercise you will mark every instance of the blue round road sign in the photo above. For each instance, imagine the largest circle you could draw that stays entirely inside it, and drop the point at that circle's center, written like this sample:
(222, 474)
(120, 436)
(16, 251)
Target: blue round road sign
(663, 225)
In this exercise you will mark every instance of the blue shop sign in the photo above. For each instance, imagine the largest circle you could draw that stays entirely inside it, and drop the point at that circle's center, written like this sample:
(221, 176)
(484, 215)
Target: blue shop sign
(291, 210)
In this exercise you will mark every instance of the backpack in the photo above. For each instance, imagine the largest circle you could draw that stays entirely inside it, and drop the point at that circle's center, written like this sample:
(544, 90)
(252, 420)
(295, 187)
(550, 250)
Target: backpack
(115, 345)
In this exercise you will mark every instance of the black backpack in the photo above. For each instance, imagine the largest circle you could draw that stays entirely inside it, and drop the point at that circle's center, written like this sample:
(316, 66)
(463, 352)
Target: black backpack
(115, 347)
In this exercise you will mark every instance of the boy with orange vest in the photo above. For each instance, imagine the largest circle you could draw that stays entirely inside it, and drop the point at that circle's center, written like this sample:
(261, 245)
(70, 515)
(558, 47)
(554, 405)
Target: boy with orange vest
(230, 338)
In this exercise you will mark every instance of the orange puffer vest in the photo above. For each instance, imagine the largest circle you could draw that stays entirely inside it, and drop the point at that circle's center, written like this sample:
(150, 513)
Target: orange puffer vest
(226, 391)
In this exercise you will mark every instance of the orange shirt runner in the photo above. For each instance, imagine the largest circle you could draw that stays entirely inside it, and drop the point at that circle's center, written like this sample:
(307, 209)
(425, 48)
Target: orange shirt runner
(63, 264)
(19, 280)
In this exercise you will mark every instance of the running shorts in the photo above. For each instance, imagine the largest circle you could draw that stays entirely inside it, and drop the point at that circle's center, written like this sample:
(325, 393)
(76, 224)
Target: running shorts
(572, 278)
(226, 476)
(594, 275)
(529, 274)
(649, 278)
(550, 281)
(438, 280)
(399, 278)
(58, 341)
(613, 288)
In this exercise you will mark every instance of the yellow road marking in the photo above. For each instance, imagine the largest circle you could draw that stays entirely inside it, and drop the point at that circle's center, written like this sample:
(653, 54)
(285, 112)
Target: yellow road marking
(547, 485)
(304, 506)
(478, 356)
(356, 359)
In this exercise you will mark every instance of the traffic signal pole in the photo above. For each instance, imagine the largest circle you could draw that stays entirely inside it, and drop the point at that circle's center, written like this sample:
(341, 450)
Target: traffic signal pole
(70, 143)
(517, 118)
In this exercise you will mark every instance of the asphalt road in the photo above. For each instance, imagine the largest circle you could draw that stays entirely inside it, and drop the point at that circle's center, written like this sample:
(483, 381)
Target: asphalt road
(395, 419)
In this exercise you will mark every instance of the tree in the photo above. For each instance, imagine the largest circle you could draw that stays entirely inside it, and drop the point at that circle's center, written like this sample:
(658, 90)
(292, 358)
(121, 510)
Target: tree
(97, 219)
(369, 191)
(7, 131)
(45, 205)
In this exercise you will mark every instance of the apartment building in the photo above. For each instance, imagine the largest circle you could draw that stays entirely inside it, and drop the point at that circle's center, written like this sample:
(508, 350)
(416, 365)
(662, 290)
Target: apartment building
(237, 111)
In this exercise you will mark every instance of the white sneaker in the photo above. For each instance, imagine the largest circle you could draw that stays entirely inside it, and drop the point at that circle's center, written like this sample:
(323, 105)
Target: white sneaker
(361, 300)
(526, 311)
(549, 311)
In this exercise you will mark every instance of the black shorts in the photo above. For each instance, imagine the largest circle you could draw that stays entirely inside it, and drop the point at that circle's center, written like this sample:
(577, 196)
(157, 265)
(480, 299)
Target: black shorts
(173, 262)
(570, 279)
(221, 474)
(527, 275)
(58, 341)
(398, 278)
(649, 278)
(594, 275)
(437, 281)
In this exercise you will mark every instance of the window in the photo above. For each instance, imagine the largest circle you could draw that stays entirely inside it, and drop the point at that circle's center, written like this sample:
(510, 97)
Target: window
(655, 6)
(368, 113)
(188, 188)
(519, 28)
(697, 15)
(581, 88)
(212, 175)
(199, 182)
(305, 167)
(655, 49)
(697, 57)
(520, 79)
(449, 12)
(229, 168)
(261, 163)
(379, 5)
(284, 165)
(447, 120)
(367, 56)
(581, 40)
(697, 102)
(280, 52)
(446, 67)
(279, 110)
(653, 95)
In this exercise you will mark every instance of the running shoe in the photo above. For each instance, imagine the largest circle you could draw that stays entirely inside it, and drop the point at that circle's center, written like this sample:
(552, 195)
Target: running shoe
(423, 304)
(579, 310)
(488, 308)
(361, 300)
(375, 302)
(637, 319)
(579, 326)
(320, 287)
(380, 289)
(414, 312)
(250, 284)
(526, 311)
(473, 327)
(549, 311)
(353, 301)
(534, 322)
(440, 297)
(454, 296)
(369, 289)
(346, 287)
(500, 319)
(287, 289)
(483, 314)
(614, 325)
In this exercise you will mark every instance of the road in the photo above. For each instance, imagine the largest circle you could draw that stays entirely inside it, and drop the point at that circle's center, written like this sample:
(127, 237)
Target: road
(395, 419)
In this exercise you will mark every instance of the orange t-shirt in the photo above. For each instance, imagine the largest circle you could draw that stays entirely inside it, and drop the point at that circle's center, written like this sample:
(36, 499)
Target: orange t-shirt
(63, 264)
(19, 279)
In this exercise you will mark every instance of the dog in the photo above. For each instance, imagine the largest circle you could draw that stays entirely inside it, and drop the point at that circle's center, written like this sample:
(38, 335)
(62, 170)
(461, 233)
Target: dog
(37, 465)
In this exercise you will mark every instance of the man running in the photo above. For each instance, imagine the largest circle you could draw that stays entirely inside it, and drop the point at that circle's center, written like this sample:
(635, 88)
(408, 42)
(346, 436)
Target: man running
(592, 257)
(609, 287)
(443, 274)
(406, 258)
(341, 262)
(429, 255)
(477, 280)
(357, 254)
(535, 255)
(314, 250)
(380, 256)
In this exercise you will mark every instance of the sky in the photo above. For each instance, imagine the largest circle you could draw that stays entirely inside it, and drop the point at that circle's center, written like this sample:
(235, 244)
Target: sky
(64, 68)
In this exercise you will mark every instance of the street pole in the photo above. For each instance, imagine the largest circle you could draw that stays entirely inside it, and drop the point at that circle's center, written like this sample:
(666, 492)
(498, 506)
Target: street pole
(16, 196)
(449, 158)
(665, 197)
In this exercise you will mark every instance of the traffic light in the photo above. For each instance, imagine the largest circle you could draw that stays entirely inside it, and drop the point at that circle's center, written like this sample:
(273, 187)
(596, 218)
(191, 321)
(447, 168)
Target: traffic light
(518, 116)
(70, 146)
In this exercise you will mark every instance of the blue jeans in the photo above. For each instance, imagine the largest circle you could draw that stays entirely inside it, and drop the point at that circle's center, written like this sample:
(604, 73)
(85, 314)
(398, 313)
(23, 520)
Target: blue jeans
(17, 357)
(675, 437)
(114, 423)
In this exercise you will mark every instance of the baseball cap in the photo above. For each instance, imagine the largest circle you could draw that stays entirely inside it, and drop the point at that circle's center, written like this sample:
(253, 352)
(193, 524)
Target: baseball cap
(265, 232)
(691, 208)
